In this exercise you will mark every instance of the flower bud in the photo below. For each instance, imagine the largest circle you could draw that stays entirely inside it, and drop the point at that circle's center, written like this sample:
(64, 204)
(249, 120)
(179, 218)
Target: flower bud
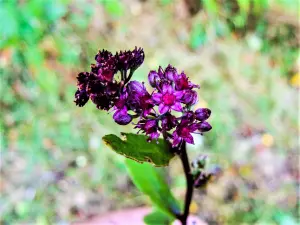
(153, 78)
(202, 114)
(204, 126)
(190, 97)
(121, 117)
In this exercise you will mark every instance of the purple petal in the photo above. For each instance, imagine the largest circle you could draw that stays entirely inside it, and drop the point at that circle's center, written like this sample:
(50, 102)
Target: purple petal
(135, 86)
(170, 89)
(189, 97)
(170, 72)
(160, 72)
(157, 97)
(165, 88)
(193, 127)
(176, 140)
(178, 94)
(177, 107)
(189, 139)
(163, 108)
(150, 124)
(154, 135)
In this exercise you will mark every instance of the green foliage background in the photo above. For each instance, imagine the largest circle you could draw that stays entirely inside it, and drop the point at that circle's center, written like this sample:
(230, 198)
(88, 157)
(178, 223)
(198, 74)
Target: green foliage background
(245, 55)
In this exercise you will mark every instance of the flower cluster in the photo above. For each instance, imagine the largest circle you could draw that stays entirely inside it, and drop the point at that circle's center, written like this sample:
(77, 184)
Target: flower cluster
(166, 111)
(101, 84)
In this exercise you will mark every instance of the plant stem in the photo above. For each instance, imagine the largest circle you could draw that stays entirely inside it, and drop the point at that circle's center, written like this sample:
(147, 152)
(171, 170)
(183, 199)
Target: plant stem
(130, 75)
(189, 182)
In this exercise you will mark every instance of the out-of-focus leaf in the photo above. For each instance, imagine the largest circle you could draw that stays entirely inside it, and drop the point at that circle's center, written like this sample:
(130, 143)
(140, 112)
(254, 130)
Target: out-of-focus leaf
(240, 20)
(136, 147)
(114, 7)
(260, 5)
(9, 24)
(158, 218)
(285, 219)
(34, 56)
(166, 2)
(211, 6)
(198, 36)
(55, 10)
(150, 181)
(244, 5)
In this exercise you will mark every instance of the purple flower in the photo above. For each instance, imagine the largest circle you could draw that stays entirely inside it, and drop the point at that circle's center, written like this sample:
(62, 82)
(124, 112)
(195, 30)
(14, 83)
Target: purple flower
(103, 56)
(106, 74)
(130, 59)
(168, 122)
(82, 79)
(102, 101)
(172, 91)
(170, 73)
(189, 116)
(158, 79)
(183, 133)
(149, 127)
(120, 103)
(105, 67)
(153, 78)
(168, 99)
(81, 97)
(137, 58)
(202, 114)
(122, 117)
(190, 97)
(183, 83)
(139, 99)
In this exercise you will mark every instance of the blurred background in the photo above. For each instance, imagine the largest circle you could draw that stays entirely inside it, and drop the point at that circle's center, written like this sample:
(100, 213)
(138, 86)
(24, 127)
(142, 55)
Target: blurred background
(244, 54)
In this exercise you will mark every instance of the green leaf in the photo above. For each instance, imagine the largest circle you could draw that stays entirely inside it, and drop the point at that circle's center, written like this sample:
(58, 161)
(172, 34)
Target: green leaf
(158, 218)
(150, 180)
(136, 147)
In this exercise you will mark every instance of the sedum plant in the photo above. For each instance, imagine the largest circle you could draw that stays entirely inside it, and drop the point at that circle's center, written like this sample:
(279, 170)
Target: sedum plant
(164, 117)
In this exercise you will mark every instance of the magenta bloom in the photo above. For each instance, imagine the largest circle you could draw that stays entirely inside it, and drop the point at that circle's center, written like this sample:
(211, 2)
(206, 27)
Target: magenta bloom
(168, 122)
(139, 99)
(182, 82)
(183, 133)
(189, 97)
(168, 99)
(149, 127)
(170, 73)
(130, 99)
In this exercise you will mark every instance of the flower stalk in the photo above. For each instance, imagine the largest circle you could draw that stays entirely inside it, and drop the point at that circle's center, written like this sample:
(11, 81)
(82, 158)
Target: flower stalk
(189, 184)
